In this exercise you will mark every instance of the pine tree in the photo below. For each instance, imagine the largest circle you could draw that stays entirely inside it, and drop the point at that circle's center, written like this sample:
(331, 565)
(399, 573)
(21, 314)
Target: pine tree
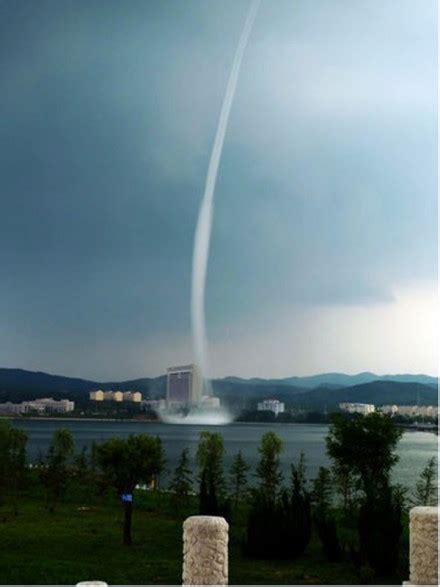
(210, 459)
(426, 488)
(56, 469)
(13, 469)
(181, 484)
(322, 490)
(81, 465)
(298, 510)
(268, 468)
(238, 477)
(16, 463)
(203, 495)
(323, 517)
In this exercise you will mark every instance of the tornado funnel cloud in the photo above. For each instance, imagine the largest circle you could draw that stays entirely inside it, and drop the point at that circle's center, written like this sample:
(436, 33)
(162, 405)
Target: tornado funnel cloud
(204, 223)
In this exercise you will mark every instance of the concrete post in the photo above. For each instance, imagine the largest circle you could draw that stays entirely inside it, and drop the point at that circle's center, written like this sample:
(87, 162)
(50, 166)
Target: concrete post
(423, 546)
(205, 551)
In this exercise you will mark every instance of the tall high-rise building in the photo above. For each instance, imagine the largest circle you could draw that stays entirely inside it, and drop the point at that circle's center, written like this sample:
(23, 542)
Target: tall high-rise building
(184, 385)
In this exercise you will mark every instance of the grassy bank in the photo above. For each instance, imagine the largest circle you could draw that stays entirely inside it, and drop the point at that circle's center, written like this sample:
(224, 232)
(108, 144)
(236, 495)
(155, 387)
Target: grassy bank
(76, 544)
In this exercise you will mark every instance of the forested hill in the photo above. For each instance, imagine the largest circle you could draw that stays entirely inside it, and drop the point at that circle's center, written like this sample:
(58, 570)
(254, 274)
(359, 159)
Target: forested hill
(375, 392)
(19, 384)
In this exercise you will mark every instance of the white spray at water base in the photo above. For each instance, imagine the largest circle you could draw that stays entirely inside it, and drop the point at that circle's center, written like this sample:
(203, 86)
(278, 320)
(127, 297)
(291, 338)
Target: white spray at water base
(204, 223)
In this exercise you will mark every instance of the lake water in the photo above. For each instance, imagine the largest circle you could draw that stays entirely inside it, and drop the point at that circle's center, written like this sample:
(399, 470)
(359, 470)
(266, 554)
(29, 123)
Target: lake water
(415, 448)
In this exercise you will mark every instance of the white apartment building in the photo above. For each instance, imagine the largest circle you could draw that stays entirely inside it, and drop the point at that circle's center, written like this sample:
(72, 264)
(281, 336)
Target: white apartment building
(356, 408)
(10, 408)
(52, 406)
(394, 410)
(271, 405)
(45, 405)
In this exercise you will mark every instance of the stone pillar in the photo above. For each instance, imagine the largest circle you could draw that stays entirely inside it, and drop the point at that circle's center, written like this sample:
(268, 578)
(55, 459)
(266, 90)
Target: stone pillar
(423, 546)
(205, 551)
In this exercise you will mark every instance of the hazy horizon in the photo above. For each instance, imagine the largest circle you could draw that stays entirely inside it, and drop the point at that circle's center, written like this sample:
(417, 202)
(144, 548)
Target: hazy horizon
(324, 244)
(226, 375)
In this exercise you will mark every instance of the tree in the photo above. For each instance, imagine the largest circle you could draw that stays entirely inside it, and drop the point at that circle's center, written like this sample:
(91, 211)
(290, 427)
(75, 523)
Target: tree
(322, 491)
(300, 526)
(55, 470)
(160, 468)
(210, 454)
(181, 484)
(84, 474)
(210, 461)
(268, 468)
(4, 449)
(238, 477)
(279, 526)
(81, 464)
(366, 447)
(127, 462)
(426, 488)
(268, 518)
(16, 466)
(380, 529)
(323, 517)
(345, 484)
(12, 462)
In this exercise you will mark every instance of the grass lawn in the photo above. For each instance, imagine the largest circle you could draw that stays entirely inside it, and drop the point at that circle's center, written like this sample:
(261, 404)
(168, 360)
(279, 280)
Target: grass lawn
(75, 545)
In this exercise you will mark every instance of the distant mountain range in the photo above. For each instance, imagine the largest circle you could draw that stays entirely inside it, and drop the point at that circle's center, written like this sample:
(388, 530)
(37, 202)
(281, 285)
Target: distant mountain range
(337, 379)
(374, 392)
(315, 392)
(19, 384)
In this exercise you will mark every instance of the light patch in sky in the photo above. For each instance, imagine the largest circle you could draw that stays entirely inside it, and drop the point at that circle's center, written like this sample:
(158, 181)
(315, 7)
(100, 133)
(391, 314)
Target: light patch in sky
(399, 336)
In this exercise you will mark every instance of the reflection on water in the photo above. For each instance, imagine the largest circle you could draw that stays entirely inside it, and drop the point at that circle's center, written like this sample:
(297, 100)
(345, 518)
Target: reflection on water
(415, 448)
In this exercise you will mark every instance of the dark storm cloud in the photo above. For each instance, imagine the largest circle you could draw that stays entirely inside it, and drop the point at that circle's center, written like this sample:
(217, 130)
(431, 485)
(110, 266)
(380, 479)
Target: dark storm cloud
(326, 191)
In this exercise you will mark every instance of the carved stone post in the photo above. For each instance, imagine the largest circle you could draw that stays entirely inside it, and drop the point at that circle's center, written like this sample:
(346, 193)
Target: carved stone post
(205, 551)
(423, 546)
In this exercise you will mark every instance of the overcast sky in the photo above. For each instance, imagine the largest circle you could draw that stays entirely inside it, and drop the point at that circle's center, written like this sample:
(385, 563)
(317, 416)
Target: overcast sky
(324, 245)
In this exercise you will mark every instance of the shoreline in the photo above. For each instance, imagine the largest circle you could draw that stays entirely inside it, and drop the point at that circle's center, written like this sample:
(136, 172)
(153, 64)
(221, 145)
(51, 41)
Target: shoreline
(406, 428)
(79, 419)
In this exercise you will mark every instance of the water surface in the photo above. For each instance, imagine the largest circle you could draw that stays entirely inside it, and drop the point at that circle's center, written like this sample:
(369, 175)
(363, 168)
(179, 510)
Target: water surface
(415, 448)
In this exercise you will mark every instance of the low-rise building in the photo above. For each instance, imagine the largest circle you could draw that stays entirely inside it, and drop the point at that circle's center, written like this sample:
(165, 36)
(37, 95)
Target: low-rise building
(118, 396)
(10, 408)
(115, 396)
(271, 405)
(413, 411)
(357, 408)
(45, 405)
(97, 396)
(132, 396)
(51, 406)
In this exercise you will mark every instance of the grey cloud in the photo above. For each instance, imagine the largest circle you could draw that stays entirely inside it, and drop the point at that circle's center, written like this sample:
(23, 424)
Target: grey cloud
(327, 186)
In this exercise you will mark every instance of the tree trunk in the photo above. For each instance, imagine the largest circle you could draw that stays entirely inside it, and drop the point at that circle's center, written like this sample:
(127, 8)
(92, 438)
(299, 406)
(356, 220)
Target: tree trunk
(127, 523)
